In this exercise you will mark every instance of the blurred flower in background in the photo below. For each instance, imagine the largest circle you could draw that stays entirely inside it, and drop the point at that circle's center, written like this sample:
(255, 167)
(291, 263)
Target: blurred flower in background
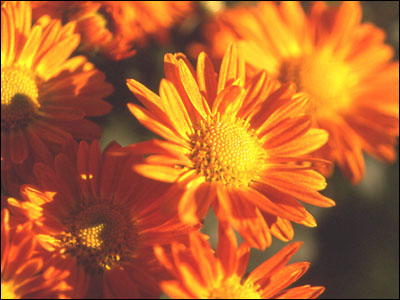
(117, 29)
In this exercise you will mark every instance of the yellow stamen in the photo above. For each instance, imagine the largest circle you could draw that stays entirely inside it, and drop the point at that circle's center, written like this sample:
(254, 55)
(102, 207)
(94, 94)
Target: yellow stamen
(19, 96)
(231, 288)
(100, 236)
(326, 80)
(91, 237)
(224, 149)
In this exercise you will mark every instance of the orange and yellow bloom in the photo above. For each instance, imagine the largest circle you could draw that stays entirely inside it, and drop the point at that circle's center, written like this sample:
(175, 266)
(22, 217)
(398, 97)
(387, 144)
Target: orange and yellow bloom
(199, 273)
(117, 29)
(98, 220)
(45, 96)
(342, 64)
(239, 145)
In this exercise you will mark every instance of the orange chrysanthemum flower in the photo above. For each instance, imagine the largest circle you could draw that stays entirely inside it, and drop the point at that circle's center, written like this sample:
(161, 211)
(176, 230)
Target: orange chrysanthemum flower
(201, 274)
(99, 220)
(343, 66)
(23, 275)
(45, 97)
(236, 145)
(117, 28)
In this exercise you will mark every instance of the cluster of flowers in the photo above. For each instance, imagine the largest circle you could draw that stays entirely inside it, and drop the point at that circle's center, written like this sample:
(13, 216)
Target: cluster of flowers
(251, 131)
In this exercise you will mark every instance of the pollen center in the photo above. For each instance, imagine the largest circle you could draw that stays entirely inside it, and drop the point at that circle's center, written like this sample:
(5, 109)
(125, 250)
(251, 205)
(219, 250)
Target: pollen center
(233, 289)
(19, 96)
(224, 149)
(326, 80)
(100, 236)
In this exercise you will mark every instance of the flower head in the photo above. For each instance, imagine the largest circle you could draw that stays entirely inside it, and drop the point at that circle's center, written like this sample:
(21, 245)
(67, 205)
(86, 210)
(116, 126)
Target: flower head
(236, 144)
(117, 28)
(99, 220)
(342, 64)
(45, 97)
(199, 273)
(23, 272)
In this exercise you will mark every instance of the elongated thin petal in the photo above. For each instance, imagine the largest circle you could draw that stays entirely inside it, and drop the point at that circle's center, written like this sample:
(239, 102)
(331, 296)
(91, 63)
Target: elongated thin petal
(192, 89)
(275, 263)
(232, 68)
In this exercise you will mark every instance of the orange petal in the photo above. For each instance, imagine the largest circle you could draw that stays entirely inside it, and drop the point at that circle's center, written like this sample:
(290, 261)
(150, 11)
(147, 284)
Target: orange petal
(307, 178)
(232, 68)
(282, 279)
(227, 99)
(175, 290)
(202, 252)
(274, 264)
(263, 202)
(286, 131)
(18, 146)
(314, 139)
(299, 191)
(195, 202)
(159, 172)
(301, 292)
(242, 258)
(175, 109)
(282, 229)
(227, 248)
(118, 285)
(206, 78)
(192, 89)
(150, 100)
(243, 216)
(150, 122)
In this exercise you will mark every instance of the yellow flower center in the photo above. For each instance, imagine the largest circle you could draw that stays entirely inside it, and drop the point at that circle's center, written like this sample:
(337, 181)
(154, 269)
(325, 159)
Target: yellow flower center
(326, 80)
(19, 97)
(100, 236)
(224, 149)
(8, 291)
(231, 288)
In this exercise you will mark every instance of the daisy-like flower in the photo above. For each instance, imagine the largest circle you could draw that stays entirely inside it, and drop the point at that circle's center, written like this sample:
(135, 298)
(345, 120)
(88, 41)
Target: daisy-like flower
(117, 28)
(342, 64)
(99, 220)
(236, 145)
(23, 273)
(45, 97)
(199, 273)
